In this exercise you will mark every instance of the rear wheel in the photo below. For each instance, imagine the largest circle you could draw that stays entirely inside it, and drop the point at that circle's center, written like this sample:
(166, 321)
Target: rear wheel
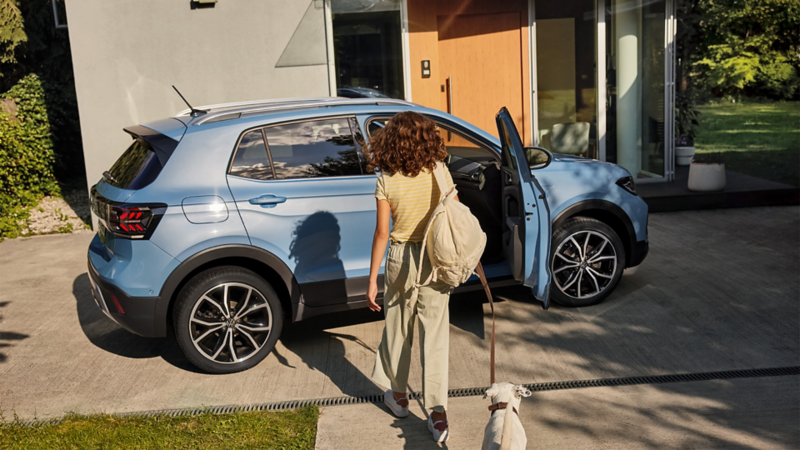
(227, 319)
(587, 260)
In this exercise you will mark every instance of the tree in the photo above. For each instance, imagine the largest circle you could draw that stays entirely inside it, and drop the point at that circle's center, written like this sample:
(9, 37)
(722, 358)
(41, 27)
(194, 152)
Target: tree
(751, 47)
(12, 34)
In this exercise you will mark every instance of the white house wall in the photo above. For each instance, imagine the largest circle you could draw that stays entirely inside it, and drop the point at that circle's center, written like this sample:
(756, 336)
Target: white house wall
(128, 54)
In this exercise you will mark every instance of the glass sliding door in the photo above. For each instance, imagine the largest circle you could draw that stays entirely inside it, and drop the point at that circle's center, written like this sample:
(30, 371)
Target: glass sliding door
(566, 76)
(367, 47)
(635, 73)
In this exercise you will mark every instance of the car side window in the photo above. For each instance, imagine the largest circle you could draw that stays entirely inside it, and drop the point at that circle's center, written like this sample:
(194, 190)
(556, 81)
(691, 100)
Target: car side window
(311, 149)
(251, 160)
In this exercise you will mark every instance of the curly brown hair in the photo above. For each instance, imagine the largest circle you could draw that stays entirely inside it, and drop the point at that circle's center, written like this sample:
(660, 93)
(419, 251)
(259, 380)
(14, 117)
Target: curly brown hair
(407, 144)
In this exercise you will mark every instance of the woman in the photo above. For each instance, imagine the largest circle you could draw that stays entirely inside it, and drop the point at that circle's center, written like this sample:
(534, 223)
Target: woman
(406, 151)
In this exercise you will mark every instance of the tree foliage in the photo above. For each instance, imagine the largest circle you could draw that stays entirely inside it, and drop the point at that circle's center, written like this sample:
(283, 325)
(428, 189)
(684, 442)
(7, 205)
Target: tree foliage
(26, 152)
(12, 31)
(735, 48)
(750, 47)
(43, 50)
(39, 129)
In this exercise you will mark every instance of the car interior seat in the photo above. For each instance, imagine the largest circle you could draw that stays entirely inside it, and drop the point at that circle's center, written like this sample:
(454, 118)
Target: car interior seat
(570, 138)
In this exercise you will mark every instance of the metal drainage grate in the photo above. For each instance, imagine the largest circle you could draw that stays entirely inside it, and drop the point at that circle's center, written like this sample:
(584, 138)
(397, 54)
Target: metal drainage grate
(463, 392)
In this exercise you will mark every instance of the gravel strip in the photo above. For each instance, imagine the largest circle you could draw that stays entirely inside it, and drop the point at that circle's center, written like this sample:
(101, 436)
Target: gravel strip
(70, 214)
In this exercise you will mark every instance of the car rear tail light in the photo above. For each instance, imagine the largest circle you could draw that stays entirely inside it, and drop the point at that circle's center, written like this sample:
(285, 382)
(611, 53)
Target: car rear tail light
(129, 221)
(133, 221)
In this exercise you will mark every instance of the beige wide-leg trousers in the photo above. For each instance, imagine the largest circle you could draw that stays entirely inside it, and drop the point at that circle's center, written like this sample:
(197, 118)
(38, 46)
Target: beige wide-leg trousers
(394, 352)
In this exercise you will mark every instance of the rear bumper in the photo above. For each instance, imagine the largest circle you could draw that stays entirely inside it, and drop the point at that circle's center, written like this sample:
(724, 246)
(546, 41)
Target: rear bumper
(638, 253)
(135, 314)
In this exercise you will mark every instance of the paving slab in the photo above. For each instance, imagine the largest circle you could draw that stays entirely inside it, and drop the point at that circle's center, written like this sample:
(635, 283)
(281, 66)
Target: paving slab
(719, 291)
(759, 413)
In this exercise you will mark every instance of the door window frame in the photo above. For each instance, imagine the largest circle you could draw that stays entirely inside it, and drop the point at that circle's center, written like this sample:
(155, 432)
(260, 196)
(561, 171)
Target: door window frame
(448, 126)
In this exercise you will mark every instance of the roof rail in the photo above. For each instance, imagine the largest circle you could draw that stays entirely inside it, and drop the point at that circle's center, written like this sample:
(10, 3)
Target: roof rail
(231, 105)
(231, 111)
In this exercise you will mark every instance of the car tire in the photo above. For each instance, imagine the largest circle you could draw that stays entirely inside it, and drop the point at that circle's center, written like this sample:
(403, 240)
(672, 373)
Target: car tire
(227, 319)
(585, 279)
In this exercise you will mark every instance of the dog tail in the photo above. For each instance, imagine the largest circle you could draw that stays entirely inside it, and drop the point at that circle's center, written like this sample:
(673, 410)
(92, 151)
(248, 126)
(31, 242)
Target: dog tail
(505, 441)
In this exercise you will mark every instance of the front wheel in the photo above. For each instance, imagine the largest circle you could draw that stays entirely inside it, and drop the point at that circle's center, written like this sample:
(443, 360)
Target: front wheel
(587, 260)
(227, 319)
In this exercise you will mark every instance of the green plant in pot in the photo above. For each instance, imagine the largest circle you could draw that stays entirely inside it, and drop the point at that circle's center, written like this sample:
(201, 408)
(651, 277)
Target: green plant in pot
(686, 122)
(707, 172)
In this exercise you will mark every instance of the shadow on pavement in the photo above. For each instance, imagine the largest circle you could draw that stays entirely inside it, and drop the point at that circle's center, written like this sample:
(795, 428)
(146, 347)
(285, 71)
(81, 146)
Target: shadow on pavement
(320, 349)
(6, 336)
(107, 335)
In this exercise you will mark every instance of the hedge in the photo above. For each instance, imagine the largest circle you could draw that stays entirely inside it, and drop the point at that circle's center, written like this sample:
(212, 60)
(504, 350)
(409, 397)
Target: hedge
(26, 153)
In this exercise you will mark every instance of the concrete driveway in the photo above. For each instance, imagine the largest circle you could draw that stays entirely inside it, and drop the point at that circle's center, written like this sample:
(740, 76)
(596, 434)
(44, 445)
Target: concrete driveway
(719, 291)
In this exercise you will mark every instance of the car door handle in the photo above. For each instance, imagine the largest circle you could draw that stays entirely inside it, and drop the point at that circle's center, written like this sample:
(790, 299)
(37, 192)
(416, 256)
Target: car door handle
(267, 200)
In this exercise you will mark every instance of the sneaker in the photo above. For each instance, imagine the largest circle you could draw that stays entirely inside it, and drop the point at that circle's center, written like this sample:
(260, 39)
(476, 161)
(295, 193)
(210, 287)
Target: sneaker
(438, 436)
(398, 407)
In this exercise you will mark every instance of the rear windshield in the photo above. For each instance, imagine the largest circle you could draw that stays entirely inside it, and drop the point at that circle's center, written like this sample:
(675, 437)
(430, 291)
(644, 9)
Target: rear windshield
(136, 168)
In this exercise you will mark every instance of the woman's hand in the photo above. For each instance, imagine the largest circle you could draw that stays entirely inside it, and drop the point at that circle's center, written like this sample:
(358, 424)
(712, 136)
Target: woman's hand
(372, 292)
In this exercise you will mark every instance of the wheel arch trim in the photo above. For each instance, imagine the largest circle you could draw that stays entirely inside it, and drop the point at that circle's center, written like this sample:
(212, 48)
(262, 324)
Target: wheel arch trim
(208, 256)
(605, 206)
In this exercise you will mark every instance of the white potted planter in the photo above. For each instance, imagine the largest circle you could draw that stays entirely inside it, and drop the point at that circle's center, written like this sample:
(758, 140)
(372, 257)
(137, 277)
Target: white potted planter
(683, 156)
(684, 150)
(706, 174)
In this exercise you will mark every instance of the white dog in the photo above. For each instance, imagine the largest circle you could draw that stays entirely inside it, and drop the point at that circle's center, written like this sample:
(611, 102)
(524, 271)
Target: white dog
(504, 430)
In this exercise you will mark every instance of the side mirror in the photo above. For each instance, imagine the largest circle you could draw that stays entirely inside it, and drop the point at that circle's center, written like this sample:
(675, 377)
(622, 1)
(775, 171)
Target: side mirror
(538, 157)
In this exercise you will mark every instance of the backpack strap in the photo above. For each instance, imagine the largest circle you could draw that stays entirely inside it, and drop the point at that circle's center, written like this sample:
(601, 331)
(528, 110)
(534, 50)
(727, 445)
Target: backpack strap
(441, 180)
(432, 277)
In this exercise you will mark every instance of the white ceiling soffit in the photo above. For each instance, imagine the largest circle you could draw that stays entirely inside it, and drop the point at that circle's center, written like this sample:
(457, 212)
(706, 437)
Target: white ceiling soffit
(307, 45)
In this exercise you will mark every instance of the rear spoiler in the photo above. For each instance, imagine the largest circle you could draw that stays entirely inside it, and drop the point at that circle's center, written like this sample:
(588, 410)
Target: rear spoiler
(162, 145)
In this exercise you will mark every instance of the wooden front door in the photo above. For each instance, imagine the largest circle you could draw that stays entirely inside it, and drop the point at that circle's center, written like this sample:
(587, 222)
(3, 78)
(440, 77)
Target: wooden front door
(481, 54)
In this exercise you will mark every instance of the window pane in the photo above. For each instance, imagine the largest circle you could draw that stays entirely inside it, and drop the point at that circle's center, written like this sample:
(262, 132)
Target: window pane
(635, 84)
(251, 159)
(136, 168)
(321, 148)
(368, 52)
(566, 43)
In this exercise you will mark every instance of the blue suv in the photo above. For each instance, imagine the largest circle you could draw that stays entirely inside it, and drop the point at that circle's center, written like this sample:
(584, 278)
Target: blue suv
(225, 222)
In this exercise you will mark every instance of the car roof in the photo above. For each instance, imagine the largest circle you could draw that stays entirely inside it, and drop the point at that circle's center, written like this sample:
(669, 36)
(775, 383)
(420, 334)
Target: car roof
(232, 111)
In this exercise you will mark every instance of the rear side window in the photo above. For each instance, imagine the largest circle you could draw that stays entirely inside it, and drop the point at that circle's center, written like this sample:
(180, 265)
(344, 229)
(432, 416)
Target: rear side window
(319, 148)
(251, 160)
(136, 168)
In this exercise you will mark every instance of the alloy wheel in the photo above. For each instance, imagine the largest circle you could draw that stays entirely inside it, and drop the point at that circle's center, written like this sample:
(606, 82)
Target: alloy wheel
(584, 264)
(230, 323)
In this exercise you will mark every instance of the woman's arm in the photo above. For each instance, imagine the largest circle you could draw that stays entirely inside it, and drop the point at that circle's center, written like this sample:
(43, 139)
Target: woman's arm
(378, 249)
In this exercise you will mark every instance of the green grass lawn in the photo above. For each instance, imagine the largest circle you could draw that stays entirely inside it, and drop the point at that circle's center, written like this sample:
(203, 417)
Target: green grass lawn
(295, 429)
(761, 140)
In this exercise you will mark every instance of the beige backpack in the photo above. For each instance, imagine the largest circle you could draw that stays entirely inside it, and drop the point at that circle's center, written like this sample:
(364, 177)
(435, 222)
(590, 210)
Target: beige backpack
(453, 238)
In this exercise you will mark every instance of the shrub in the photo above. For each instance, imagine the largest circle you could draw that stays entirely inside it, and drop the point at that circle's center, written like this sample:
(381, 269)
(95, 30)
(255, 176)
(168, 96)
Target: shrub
(708, 158)
(26, 152)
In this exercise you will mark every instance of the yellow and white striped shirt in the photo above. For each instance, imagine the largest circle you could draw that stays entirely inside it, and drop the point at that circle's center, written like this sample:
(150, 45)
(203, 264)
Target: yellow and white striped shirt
(412, 200)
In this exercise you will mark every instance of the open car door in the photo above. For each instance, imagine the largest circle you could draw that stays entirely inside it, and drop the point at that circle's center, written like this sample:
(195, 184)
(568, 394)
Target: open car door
(526, 231)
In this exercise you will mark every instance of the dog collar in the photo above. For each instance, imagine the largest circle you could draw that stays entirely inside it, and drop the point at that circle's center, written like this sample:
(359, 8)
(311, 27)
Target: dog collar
(501, 405)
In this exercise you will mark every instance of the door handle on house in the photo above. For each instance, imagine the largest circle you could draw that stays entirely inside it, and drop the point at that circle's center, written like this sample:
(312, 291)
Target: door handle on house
(267, 200)
(450, 103)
